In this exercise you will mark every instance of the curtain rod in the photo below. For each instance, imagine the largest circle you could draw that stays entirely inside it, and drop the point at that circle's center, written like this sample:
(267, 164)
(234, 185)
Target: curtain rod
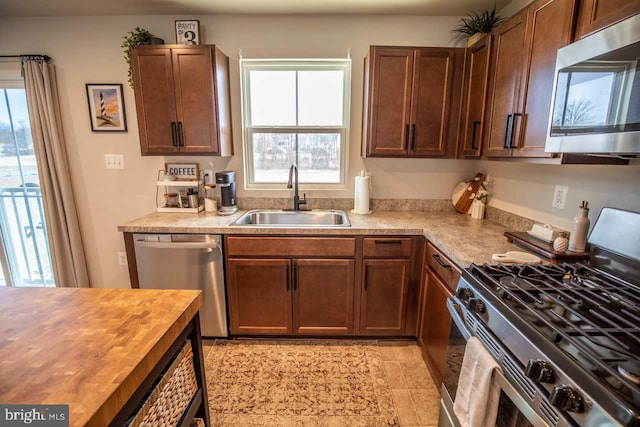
(45, 58)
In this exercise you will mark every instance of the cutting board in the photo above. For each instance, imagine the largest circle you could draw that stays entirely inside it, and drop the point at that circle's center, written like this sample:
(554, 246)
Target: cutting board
(463, 193)
(516, 257)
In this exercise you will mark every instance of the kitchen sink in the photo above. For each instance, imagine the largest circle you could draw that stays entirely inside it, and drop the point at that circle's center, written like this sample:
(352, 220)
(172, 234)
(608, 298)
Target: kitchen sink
(276, 218)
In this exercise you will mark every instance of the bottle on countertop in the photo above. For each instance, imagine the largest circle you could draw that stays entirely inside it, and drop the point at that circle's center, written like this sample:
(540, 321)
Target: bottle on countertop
(580, 229)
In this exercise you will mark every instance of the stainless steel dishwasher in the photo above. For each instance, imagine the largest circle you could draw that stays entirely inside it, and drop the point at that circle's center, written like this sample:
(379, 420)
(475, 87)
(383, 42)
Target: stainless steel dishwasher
(186, 261)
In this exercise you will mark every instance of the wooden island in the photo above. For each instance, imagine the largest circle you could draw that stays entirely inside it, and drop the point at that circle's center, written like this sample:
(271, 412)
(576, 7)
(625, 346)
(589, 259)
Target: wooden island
(98, 350)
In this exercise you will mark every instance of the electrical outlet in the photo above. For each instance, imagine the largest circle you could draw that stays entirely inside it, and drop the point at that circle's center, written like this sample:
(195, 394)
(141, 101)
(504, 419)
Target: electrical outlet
(560, 196)
(209, 179)
(122, 258)
(114, 161)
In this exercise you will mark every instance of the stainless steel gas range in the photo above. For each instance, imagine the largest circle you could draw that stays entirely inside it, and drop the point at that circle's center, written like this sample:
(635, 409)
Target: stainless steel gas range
(567, 337)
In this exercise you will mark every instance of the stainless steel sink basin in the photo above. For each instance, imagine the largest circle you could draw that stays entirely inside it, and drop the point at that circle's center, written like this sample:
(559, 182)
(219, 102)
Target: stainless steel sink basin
(275, 218)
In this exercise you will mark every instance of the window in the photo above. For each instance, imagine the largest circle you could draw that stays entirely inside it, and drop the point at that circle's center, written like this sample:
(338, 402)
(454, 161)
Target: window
(24, 249)
(295, 112)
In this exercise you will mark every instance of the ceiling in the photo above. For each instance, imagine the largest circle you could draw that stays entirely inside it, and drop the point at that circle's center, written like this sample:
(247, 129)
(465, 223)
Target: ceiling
(182, 7)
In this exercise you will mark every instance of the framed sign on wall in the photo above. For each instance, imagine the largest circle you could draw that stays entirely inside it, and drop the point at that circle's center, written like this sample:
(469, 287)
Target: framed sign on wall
(188, 32)
(106, 107)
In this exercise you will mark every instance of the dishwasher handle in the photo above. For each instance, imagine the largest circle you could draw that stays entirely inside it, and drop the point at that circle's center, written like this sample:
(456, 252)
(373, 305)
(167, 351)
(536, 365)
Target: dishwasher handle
(177, 245)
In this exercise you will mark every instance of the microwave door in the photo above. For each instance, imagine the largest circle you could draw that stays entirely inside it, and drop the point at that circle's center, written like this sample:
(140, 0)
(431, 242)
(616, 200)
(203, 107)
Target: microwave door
(596, 98)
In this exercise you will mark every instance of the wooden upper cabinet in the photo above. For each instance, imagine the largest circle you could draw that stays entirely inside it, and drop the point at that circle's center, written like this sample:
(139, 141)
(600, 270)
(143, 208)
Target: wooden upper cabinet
(383, 304)
(550, 26)
(182, 100)
(507, 64)
(389, 108)
(260, 296)
(323, 296)
(521, 78)
(195, 99)
(475, 101)
(596, 14)
(155, 100)
(408, 97)
(432, 82)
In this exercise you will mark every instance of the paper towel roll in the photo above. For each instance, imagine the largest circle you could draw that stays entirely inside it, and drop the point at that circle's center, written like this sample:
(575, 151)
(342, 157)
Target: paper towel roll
(361, 199)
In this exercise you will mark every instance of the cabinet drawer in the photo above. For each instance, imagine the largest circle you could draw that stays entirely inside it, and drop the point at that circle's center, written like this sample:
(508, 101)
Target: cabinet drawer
(291, 246)
(386, 247)
(442, 266)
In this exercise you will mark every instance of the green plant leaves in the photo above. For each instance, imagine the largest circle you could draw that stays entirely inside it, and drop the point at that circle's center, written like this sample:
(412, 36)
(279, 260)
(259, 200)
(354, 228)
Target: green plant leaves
(139, 36)
(476, 22)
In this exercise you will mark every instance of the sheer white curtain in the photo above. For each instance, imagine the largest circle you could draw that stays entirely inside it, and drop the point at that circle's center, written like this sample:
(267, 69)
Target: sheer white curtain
(65, 241)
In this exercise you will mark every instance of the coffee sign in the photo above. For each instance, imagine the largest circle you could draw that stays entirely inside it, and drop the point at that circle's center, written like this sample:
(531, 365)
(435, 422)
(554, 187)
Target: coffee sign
(183, 171)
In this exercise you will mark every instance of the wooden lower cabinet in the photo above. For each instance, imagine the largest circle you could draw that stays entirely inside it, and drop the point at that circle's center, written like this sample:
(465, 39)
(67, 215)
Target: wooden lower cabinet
(259, 293)
(317, 286)
(323, 296)
(383, 304)
(435, 322)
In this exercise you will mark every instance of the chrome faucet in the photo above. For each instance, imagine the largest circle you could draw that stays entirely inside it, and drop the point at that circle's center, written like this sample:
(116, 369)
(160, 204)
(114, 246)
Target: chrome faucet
(297, 201)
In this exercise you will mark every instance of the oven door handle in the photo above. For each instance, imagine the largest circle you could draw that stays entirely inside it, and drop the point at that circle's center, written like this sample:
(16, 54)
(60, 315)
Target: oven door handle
(456, 316)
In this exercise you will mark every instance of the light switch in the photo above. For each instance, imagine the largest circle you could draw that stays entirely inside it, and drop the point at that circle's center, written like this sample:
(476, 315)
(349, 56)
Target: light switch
(114, 161)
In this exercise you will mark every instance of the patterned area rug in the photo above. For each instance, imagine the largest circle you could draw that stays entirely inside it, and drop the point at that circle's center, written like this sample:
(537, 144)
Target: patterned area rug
(298, 383)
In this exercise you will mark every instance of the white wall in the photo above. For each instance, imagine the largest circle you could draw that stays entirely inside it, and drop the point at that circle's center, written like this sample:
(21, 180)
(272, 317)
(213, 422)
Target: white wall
(527, 189)
(87, 50)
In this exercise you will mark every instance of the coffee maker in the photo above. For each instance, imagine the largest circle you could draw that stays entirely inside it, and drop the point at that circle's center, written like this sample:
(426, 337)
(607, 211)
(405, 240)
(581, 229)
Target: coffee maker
(226, 181)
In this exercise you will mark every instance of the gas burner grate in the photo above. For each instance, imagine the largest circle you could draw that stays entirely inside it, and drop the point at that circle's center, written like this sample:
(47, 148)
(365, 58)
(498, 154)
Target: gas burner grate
(591, 315)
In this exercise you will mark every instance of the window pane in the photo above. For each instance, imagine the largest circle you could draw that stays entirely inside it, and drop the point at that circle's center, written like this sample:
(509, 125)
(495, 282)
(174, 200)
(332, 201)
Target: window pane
(319, 157)
(273, 155)
(273, 98)
(320, 98)
(21, 211)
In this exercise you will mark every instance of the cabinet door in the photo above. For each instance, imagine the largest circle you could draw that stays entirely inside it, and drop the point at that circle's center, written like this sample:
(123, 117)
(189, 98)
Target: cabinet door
(383, 304)
(431, 98)
(507, 63)
(259, 296)
(435, 322)
(155, 102)
(549, 27)
(477, 80)
(597, 14)
(195, 99)
(389, 106)
(323, 296)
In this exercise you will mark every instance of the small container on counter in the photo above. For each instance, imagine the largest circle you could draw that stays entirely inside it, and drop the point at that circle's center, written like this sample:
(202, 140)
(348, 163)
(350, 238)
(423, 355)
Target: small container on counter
(580, 229)
(192, 198)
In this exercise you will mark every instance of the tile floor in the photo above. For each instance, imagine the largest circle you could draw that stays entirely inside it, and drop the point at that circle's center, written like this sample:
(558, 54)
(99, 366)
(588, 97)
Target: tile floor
(414, 393)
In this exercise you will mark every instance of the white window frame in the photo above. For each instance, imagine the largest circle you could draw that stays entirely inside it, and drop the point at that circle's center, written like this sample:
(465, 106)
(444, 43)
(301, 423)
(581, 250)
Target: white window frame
(246, 65)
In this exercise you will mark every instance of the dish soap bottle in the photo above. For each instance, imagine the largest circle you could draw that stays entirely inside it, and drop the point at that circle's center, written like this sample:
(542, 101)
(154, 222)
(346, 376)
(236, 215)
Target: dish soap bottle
(580, 229)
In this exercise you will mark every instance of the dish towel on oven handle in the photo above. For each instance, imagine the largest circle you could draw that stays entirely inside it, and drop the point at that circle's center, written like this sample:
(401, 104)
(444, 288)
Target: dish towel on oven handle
(477, 397)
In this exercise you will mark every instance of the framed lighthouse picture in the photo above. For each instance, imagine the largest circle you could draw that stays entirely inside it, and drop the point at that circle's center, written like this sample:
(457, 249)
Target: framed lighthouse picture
(106, 107)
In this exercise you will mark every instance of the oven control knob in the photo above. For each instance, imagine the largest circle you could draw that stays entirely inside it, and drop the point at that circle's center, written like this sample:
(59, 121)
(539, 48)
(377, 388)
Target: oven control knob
(567, 399)
(540, 371)
(464, 294)
(475, 305)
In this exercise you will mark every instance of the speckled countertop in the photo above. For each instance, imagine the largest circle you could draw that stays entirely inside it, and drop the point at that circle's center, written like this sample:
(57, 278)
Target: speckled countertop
(462, 239)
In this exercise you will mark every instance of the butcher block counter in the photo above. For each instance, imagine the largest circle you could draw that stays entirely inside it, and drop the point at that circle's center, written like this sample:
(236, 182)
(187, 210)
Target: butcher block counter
(98, 350)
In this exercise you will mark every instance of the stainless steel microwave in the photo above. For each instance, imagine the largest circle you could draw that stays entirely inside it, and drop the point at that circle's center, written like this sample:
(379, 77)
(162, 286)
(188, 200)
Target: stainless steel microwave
(596, 102)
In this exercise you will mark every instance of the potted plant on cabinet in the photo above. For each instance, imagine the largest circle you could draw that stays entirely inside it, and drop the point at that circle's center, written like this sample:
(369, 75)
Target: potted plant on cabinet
(139, 36)
(475, 25)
